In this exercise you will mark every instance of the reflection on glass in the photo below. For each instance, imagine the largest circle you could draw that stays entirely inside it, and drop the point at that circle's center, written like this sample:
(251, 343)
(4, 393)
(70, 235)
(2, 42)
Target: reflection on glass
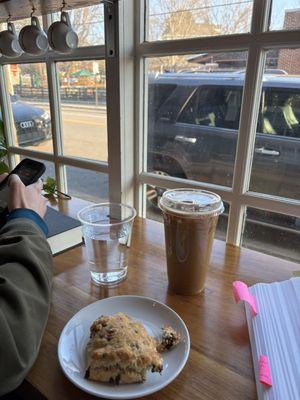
(272, 233)
(86, 184)
(179, 19)
(28, 88)
(88, 23)
(275, 168)
(83, 100)
(194, 106)
(154, 193)
(285, 15)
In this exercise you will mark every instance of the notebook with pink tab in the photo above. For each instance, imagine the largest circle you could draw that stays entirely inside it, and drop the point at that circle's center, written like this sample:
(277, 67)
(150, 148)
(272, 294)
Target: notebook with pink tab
(273, 317)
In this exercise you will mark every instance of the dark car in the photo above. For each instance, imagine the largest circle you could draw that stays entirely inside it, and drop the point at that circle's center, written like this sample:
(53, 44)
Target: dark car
(33, 124)
(193, 127)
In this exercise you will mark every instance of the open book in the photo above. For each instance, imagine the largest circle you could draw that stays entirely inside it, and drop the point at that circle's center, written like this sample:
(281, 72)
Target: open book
(275, 338)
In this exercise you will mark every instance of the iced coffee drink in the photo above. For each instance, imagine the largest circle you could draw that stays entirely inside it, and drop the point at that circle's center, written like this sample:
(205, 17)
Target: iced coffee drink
(190, 219)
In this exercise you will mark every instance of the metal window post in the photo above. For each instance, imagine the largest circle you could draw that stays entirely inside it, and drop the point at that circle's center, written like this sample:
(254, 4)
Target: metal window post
(248, 123)
(119, 37)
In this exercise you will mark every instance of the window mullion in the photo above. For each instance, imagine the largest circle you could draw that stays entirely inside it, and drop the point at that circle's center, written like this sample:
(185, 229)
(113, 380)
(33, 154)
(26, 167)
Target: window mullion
(55, 107)
(248, 122)
(7, 117)
(120, 81)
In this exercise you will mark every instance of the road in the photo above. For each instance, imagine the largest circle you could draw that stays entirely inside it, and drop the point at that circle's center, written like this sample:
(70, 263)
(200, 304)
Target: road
(84, 135)
(84, 132)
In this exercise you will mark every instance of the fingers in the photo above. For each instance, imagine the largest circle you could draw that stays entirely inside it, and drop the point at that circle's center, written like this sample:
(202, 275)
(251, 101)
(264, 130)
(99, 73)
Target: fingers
(3, 176)
(15, 181)
(40, 183)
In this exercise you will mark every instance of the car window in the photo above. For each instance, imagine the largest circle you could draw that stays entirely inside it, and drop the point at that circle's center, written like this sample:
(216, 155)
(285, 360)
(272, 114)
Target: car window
(280, 112)
(158, 94)
(218, 106)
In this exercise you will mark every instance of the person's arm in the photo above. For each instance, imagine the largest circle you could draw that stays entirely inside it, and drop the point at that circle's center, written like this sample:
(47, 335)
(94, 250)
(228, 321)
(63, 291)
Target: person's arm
(25, 283)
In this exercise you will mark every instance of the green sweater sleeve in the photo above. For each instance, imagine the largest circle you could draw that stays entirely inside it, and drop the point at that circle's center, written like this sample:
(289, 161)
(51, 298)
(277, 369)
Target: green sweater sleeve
(25, 285)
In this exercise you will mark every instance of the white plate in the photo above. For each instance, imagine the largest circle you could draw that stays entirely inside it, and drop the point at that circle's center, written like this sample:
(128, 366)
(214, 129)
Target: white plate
(152, 314)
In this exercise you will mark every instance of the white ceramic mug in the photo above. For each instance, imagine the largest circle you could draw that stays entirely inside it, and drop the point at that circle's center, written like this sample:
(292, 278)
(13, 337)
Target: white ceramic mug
(61, 35)
(33, 40)
(9, 44)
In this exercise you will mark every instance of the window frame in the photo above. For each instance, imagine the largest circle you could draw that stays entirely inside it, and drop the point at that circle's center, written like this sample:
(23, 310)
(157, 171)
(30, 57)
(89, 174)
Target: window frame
(127, 111)
(50, 59)
(256, 43)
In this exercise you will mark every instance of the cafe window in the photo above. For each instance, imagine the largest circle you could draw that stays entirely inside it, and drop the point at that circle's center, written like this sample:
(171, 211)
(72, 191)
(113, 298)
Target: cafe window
(231, 122)
(168, 94)
(55, 108)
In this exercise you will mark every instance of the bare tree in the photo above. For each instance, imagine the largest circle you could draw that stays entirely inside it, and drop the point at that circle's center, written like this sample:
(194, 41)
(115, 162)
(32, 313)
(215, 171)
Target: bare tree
(178, 19)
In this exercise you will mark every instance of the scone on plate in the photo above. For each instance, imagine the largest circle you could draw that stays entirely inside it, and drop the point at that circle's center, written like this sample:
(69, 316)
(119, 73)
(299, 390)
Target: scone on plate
(169, 339)
(121, 351)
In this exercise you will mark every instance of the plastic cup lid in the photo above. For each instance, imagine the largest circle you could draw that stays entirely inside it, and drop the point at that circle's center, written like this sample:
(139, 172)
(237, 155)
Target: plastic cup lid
(191, 202)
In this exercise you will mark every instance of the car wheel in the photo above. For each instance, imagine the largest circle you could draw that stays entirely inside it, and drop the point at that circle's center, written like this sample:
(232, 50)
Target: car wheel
(154, 193)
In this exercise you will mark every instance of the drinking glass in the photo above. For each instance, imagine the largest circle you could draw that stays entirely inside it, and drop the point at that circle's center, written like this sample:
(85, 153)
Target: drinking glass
(107, 230)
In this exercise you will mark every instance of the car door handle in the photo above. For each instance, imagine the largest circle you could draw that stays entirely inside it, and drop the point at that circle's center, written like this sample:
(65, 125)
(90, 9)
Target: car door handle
(184, 139)
(266, 152)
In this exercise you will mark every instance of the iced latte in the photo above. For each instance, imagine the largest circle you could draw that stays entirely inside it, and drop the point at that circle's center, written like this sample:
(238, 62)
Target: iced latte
(190, 219)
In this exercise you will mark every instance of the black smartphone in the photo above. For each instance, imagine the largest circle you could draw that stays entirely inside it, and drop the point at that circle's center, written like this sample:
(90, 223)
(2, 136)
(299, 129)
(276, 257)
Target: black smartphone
(29, 172)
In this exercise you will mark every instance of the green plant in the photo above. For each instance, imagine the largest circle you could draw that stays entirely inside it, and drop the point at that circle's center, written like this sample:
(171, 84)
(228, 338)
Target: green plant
(50, 188)
(3, 151)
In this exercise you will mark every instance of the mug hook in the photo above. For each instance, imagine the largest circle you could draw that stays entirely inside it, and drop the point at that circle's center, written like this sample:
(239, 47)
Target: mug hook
(33, 11)
(64, 5)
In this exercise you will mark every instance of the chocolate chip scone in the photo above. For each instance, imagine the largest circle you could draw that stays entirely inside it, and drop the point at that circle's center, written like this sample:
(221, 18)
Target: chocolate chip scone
(169, 339)
(121, 351)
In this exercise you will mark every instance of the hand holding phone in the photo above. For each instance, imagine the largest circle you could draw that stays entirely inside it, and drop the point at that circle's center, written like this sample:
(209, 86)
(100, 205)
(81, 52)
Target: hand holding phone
(23, 194)
(29, 197)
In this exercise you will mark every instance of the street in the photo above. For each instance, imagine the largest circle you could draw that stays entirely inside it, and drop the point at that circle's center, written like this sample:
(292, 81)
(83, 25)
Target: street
(84, 135)
(84, 132)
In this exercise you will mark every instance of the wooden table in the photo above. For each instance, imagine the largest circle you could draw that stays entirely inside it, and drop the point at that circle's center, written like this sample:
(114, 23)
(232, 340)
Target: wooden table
(220, 363)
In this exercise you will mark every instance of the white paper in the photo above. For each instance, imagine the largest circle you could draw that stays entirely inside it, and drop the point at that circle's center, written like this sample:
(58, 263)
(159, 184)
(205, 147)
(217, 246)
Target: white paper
(275, 332)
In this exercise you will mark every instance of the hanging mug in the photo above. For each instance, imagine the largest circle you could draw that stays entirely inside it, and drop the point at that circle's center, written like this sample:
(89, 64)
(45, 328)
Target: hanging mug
(61, 35)
(9, 44)
(33, 40)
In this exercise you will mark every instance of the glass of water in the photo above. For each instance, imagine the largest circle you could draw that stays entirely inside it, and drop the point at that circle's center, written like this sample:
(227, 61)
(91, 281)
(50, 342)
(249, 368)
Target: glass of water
(106, 230)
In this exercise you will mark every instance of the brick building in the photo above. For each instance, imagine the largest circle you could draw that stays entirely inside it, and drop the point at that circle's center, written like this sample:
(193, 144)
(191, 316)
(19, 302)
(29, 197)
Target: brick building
(289, 59)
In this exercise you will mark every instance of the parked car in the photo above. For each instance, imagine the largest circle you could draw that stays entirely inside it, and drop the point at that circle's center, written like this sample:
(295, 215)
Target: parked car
(33, 124)
(193, 126)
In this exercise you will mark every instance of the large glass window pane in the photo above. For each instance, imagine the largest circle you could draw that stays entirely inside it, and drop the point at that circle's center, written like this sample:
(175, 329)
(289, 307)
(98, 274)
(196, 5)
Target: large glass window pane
(285, 15)
(276, 163)
(179, 19)
(83, 100)
(28, 88)
(194, 105)
(272, 233)
(154, 193)
(88, 23)
(86, 184)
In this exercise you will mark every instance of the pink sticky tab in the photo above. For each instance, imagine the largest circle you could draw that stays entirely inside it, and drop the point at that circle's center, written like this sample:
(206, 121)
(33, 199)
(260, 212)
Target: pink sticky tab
(264, 370)
(241, 292)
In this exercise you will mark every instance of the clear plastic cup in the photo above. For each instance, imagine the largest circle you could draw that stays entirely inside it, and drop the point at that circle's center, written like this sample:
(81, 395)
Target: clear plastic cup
(107, 230)
(190, 220)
